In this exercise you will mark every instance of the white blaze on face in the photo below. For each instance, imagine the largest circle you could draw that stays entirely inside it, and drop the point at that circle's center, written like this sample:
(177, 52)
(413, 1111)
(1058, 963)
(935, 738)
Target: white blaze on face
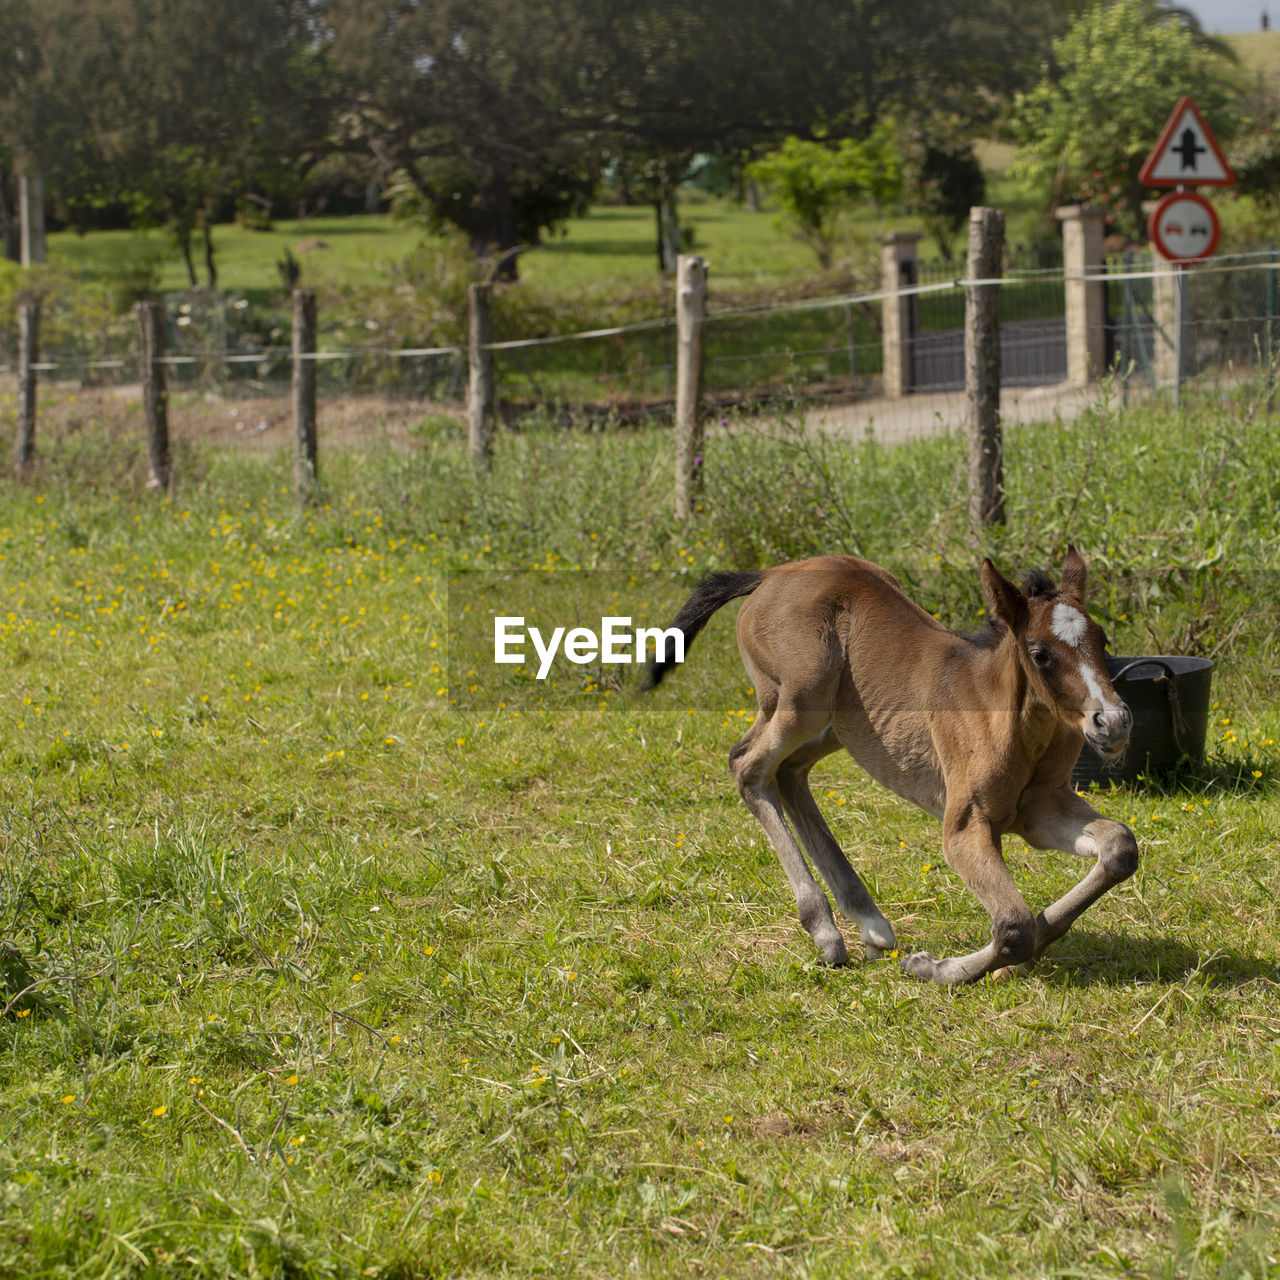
(1094, 685)
(1069, 624)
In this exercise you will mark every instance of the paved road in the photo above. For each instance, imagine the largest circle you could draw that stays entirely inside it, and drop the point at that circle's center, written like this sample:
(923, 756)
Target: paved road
(936, 413)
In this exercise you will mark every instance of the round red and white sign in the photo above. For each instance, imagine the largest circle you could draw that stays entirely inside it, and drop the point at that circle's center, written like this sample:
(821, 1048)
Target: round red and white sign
(1184, 227)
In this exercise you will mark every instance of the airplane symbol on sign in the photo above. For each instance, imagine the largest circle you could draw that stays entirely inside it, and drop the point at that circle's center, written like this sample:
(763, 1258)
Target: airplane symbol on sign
(1188, 149)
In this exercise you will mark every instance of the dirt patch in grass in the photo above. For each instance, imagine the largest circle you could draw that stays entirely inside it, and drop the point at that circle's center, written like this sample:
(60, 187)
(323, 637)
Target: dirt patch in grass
(778, 1126)
(258, 423)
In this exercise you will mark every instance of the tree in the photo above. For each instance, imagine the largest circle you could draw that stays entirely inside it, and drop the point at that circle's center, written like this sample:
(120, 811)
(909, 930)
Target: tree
(1255, 154)
(817, 183)
(501, 113)
(169, 108)
(1084, 131)
(942, 181)
(475, 103)
(1064, 12)
(736, 77)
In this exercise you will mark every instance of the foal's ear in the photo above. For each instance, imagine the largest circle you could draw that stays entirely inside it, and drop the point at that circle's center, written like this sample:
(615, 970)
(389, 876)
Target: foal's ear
(1006, 602)
(1075, 577)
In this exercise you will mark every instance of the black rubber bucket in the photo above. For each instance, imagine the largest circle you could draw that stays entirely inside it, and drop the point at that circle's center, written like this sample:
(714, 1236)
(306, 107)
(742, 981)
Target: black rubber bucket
(1169, 698)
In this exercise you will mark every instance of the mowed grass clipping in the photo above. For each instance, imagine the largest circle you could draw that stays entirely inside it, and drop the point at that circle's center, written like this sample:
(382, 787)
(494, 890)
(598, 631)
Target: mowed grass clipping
(309, 972)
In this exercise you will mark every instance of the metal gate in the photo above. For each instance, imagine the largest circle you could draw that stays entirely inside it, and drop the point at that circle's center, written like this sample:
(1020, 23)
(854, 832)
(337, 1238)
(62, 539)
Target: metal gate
(1033, 329)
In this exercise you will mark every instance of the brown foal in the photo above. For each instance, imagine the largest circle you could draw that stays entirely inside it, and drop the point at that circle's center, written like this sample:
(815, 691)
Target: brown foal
(980, 731)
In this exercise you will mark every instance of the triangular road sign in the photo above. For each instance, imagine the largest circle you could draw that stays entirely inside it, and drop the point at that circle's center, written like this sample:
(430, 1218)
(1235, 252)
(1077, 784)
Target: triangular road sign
(1187, 153)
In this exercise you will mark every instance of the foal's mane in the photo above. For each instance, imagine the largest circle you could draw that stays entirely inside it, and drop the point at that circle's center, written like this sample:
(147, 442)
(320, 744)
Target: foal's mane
(1035, 586)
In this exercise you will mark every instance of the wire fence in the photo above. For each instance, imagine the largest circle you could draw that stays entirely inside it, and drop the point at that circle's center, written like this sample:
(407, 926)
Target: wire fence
(826, 352)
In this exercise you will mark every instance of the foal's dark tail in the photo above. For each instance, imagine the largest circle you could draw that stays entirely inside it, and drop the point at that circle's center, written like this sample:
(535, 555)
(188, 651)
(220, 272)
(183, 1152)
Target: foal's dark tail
(708, 596)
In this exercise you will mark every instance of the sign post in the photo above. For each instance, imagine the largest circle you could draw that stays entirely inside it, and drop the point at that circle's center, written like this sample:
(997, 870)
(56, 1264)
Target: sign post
(1184, 226)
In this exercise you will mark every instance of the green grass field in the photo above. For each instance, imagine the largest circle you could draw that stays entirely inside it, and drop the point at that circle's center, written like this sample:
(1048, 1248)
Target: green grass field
(320, 962)
(348, 248)
(610, 249)
(609, 252)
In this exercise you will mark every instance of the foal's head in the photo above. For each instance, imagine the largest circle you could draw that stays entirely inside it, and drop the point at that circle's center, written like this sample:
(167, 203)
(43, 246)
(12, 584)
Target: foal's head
(1060, 648)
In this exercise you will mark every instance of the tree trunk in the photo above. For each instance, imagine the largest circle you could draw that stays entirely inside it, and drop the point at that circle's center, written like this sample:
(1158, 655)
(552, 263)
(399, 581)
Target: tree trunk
(210, 268)
(668, 221)
(184, 243)
(495, 229)
(31, 241)
(10, 235)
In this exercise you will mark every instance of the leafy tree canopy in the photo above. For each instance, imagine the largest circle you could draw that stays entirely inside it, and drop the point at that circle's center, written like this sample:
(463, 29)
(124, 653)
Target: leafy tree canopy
(166, 107)
(501, 112)
(476, 103)
(816, 183)
(1086, 128)
(942, 180)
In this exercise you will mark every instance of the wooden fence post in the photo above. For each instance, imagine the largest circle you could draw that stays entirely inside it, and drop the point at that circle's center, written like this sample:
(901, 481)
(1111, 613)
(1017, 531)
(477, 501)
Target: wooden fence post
(24, 440)
(305, 460)
(31, 219)
(481, 388)
(155, 398)
(691, 314)
(982, 367)
(851, 333)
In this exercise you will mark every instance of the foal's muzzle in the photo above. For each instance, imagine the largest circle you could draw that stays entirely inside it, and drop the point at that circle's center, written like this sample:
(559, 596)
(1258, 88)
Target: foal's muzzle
(1108, 729)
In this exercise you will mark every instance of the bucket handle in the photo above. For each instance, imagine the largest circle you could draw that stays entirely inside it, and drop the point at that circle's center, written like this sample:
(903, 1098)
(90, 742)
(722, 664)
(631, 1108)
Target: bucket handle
(1169, 679)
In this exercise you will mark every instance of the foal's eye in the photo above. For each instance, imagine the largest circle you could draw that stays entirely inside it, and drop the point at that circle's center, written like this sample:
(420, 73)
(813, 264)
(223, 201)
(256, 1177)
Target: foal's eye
(1041, 657)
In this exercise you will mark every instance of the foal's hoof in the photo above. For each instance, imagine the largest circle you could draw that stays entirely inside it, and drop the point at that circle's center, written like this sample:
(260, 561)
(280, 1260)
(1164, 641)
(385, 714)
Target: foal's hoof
(834, 951)
(921, 965)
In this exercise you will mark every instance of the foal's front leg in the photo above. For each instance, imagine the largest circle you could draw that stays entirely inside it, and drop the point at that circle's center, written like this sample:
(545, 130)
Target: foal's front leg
(1061, 819)
(972, 848)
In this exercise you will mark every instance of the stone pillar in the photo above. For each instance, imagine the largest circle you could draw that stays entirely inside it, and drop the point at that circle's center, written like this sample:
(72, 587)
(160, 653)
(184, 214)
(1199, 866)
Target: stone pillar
(898, 271)
(1082, 263)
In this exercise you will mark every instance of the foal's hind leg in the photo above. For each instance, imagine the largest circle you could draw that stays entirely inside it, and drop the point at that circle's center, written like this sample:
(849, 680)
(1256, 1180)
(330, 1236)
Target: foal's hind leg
(754, 763)
(851, 895)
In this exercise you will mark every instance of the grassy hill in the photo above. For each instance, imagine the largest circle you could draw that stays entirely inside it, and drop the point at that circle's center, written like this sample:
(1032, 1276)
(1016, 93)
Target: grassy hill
(1259, 53)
